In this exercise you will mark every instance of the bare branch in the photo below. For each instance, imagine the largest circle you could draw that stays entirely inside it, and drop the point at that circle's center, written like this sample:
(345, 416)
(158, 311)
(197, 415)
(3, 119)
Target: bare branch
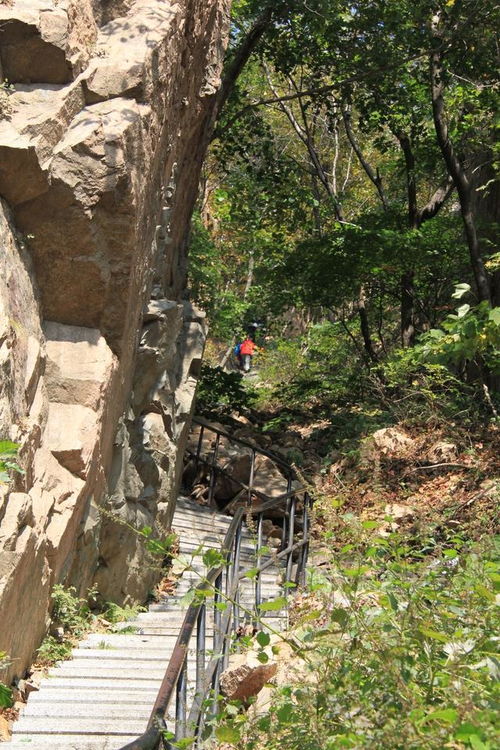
(374, 176)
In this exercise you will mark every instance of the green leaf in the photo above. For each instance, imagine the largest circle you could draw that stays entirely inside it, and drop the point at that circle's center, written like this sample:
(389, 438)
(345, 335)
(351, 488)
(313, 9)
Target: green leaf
(274, 605)
(446, 715)
(476, 743)
(340, 616)
(355, 572)
(465, 731)
(212, 558)
(228, 734)
(370, 524)
(460, 290)
(494, 316)
(263, 657)
(263, 550)
(484, 592)
(188, 597)
(252, 573)
(434, 634)
(184, 743)
(6, 700)
(285, 713)
(393, 602)
(263, 639)
(8, 448)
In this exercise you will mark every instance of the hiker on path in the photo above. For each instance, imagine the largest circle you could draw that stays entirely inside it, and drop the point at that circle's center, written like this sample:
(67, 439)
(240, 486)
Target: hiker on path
(244, 353)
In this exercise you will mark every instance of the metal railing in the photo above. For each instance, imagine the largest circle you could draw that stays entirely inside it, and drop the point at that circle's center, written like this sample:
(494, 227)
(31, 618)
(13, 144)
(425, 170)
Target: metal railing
(225, 580)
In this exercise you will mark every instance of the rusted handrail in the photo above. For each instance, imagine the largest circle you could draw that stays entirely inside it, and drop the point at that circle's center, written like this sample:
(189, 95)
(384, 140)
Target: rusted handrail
(207, 676)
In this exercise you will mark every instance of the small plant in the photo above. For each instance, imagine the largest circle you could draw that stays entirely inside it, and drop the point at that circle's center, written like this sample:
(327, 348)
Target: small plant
(113, 613)
(53, 650)
(8, 452)
(6, 699)
(69, 611)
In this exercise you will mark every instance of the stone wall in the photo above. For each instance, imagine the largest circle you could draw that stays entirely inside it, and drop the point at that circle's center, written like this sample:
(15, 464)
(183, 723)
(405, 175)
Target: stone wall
(101, 144)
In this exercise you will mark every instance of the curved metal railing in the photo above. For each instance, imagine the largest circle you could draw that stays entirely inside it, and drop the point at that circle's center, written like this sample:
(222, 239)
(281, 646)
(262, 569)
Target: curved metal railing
(296, 504)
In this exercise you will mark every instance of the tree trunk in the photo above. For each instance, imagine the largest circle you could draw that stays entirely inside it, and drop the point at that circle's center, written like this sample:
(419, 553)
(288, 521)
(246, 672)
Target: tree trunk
(408, 277)
(240, 58)
(457, 172)
(408, 308)
(365, 326)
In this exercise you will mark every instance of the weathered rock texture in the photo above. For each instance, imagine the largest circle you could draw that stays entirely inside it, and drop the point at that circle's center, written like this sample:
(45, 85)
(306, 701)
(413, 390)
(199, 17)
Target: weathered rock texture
(101, 143)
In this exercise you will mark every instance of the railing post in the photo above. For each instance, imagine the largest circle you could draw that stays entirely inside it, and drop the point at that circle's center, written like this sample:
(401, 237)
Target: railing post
(305, 538)
(200, 648)
(212, 470)
(251, 478)
(236, 570)
(284, 535)
(198, 447)
(180, 703)
(291, 535)
(258, 582)
(217, 612)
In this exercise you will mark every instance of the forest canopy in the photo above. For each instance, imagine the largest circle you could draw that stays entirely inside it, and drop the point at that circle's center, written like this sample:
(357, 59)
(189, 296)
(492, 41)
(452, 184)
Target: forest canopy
(352, 180)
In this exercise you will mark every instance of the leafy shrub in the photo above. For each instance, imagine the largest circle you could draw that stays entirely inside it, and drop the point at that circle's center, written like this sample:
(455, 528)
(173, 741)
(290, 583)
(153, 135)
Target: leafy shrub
(8, 452)
(69, 611)
(421, 392)
(402, 652)
(221, 392)
(470, 335)
(317, 369)
(53, 650)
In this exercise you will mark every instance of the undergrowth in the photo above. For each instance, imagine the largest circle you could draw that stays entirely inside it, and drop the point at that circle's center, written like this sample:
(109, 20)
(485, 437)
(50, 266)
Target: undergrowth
(72, 618)
(402, 646)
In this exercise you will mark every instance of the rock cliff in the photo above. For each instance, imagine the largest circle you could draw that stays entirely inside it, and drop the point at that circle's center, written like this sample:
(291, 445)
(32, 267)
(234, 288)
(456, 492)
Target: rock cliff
(104, 124)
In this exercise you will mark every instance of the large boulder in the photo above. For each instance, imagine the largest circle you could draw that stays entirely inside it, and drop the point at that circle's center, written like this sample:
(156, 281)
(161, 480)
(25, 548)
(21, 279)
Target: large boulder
(389, 443)
(246, 676)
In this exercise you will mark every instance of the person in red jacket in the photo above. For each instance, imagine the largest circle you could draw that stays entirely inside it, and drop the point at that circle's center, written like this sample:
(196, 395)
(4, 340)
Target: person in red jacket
(245, 354)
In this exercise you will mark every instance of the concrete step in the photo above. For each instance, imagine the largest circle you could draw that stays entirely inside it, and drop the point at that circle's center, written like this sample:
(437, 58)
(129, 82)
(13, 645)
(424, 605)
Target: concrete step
(70, 742)
(111, 669)
(102, 697)
(110, 696)
(127, 654)
(115, 641)
(139, 711)
(78, 724)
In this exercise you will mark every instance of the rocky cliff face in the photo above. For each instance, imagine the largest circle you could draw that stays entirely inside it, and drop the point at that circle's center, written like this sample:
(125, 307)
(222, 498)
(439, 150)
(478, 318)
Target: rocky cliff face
(101, 142)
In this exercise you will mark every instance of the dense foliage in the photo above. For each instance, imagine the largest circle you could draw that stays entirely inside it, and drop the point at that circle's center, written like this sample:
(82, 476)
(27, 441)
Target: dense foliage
(350, 202)
(401, 646)
(329, 185)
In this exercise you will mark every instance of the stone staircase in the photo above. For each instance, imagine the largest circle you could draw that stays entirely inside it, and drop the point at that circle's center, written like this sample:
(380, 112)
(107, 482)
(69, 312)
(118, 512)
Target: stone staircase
(102, 697)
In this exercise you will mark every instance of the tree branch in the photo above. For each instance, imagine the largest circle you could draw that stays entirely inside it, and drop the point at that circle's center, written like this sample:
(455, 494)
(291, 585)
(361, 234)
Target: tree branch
(240, 58)
(317, 91)
(436, 202)
(373, 176)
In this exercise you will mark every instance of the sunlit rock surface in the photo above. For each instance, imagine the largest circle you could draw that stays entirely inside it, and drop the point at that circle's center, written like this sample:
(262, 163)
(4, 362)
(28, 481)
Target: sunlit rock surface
(101, 142)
